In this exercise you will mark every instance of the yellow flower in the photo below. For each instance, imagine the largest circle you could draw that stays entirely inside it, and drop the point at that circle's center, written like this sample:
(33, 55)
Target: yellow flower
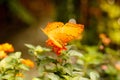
(2, 54)
(117, 66)
(6, 47)
(105, 39)
(28, 63)
(20, 75)
(0, 48)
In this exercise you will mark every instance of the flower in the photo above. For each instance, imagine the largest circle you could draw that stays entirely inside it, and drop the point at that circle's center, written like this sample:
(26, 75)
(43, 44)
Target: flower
(6, 47)
(117, 66)
(56, 49)
(2, 54)
(105, 39)
(28, 63)
(101, 47)
(20, 75)
(104, 67)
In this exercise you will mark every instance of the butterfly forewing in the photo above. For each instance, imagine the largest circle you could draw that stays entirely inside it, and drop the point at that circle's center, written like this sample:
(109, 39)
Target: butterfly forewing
(66, 33)
(52, 26)
(61, 34)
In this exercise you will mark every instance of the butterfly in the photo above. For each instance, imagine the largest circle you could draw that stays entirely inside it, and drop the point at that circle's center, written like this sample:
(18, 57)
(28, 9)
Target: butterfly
(60, 34)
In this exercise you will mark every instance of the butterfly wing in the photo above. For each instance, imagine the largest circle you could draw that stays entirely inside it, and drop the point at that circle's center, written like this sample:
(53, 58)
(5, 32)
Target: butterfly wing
(63, 34)
(52, 26)
(52, 38)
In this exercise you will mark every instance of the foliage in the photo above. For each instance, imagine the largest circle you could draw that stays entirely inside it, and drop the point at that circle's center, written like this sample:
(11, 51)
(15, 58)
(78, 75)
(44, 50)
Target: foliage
(77, 62)
(111, 20)
(69, 65)
(11, 64)
(101, 58)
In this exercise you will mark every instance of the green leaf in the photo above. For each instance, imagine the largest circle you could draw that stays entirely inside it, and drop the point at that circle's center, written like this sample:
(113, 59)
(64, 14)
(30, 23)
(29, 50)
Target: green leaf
(68, 68)
(50, 67)
(16, 55)
(66, 77)
(82, 78)
(52, 76)
(75, 53)
(36, 79)
(81, 62)
(19, 78)
(8, 76)
(4, 63)
(29, 46)
(93, 58)
(46, 49)
(23, 67)
(76, 78)
(39, 49)
(111, 70)
(94, 76)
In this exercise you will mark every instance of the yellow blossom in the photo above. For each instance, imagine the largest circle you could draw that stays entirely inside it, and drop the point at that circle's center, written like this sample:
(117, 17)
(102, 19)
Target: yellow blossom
(20, 75)
(117, 66)
(28, 62)
(2, 54)
(105, 39)
(6, 47)
(0, 48)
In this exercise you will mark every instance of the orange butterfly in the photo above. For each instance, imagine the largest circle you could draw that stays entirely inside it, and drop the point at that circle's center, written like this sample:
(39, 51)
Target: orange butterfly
(60, 34)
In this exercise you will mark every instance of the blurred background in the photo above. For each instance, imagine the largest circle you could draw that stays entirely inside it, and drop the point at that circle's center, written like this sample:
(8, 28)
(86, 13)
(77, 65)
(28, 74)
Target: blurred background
(20, 20)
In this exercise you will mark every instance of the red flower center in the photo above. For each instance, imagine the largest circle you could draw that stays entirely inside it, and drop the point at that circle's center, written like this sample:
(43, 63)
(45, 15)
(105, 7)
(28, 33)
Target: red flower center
(55, 48)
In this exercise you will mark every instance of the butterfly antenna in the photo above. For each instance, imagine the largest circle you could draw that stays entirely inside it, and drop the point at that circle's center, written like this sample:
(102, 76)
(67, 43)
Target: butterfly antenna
(72, 20)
